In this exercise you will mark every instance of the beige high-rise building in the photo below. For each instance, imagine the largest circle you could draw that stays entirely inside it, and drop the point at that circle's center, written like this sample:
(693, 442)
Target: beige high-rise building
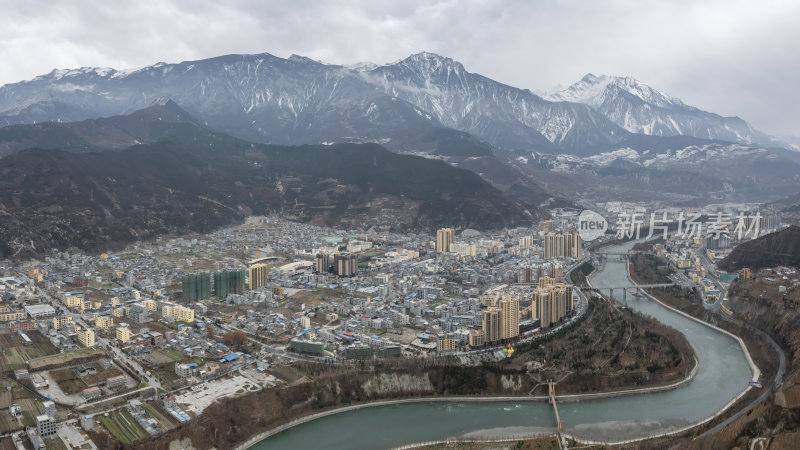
(345, 264)
(509, 318)
(557, 272)
(491, 325)
(553, 245)
(551, 302)
(444, 239)
(573, 244)
(546, 282)
(258, 275)
(568, 245)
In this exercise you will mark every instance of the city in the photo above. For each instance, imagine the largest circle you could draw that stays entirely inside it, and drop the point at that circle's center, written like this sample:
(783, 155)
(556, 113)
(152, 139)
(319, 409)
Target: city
(399, 225)
(141, 340)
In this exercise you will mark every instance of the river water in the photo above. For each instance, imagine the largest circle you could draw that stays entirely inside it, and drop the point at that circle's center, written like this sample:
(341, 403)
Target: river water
(723, 374)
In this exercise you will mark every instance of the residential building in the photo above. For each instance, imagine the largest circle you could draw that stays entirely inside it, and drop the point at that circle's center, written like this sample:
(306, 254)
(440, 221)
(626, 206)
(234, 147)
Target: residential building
(118, 380)
(196, 286)
(345, 264)
(150, 304)
(551, 302)
(228, 282)
(104, 322)
(138, 313)
(86, 337)
(322, 263)
(9, 315)
(491, 324)
(569, 245)
(184, 370)
(46, 425)
(58, 322)
(178, 312)
(509, 318)
(445, 345)
(258, 275)
(49, 408)
(477, 338)
(444, 239)
(123, 333)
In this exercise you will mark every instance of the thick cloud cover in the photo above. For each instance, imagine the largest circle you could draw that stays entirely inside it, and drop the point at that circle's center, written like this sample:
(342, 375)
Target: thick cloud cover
(731, 57)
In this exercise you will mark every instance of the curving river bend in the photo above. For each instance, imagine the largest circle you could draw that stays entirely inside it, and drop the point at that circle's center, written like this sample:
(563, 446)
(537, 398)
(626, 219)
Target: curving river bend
(722, 376)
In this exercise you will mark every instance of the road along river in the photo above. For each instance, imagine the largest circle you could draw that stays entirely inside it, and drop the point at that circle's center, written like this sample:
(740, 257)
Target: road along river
(722, 377)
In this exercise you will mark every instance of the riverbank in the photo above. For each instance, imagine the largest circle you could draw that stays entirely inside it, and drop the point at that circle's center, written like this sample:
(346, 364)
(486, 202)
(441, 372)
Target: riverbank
(567, 398)
(640, 416)
(475, 436)
(762, 352)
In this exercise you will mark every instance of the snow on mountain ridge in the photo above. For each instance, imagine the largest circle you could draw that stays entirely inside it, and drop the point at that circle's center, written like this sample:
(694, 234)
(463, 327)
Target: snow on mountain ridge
(592, 90)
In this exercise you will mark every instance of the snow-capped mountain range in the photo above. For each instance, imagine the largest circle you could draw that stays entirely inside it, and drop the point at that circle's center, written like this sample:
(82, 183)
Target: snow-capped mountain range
(296, 100)
(640, 108)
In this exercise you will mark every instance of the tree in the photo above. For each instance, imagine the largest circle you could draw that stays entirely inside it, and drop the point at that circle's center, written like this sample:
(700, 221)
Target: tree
(209, 331)
(234, 338)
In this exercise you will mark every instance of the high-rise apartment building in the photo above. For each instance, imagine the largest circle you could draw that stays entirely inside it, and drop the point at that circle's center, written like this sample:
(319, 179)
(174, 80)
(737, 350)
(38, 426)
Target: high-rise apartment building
(573, 244)
(526, 274)
(568, 245)
(228, 282)
(509, 318)
(258, 275)
(444, 239)
(323, 262)
(196, 286)
(551, 301)
(491, 325)
(345, 264)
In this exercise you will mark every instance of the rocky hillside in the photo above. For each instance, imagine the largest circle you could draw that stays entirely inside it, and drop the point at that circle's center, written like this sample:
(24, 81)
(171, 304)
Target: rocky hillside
(781, 248)
(199, 181)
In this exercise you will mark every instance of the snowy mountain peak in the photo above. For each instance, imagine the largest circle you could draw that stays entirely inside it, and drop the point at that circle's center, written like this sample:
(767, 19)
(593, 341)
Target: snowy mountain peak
(594, 90)
(640, 108)
(57, 74)
(362, 66)
(429, 63)
(302, 59)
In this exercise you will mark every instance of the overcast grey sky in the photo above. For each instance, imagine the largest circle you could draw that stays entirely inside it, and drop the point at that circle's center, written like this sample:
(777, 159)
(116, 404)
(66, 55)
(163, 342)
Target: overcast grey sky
(731, 57)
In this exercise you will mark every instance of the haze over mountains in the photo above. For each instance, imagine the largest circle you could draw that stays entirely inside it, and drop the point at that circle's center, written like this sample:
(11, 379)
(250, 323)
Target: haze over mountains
(602, 138)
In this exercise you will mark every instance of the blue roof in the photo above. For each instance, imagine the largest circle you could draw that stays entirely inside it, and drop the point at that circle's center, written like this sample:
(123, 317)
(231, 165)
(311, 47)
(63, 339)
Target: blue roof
(230, 357)
(220, 344)
(192, 365)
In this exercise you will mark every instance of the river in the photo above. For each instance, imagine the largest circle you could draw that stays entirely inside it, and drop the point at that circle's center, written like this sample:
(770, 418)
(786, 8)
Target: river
(722, 376)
